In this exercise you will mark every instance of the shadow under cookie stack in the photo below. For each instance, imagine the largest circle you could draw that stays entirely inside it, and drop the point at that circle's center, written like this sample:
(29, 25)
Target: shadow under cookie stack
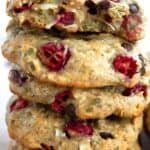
(79, 78)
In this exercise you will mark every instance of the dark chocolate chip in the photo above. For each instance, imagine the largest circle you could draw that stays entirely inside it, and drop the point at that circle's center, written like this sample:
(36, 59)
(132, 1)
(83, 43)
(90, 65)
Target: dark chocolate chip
(103, 5)
(116, 1)
(134, 8)
(113, 118)
(46, 147)
(108, 18)
(64, 2)
(106, 135)
(142, 70)
(92, 8)
(127, 46)
(70, 111)
(17, 77)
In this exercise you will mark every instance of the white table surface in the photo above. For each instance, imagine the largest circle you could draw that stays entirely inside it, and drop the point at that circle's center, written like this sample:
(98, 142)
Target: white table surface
(4, 90)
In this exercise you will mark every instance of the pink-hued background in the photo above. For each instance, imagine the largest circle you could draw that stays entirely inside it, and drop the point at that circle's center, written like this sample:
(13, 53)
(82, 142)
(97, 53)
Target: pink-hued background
(4, 67)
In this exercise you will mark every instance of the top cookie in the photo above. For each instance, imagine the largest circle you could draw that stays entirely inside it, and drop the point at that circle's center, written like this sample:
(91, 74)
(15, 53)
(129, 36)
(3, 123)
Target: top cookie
(121, 17)
(77, 60)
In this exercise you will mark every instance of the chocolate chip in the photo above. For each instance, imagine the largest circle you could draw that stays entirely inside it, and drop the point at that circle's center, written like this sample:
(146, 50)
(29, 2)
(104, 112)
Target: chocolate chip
(142, 70)
(70, 111)
(116, 1)
(113, 118)
(134, 8)
(106, 135)
(108, 18)
(127, 46)
(46, 147)
(92, 8)
(17, 77)
(103, 5)
(64, 2)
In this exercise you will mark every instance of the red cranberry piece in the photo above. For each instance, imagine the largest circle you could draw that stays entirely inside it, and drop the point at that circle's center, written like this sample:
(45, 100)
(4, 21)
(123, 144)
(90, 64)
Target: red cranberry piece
(24, 7)
(134, 8)
(104, 5)
(136, 89)
(20, 103)
(125, 65)
(58, 104)
(65, 17)
(54, 55)
(132, 26)
(78, 127)
(92, 8)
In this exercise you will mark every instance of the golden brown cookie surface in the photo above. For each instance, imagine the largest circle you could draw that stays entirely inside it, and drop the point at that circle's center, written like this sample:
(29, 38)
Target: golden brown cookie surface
(94, 61)
(87, 103)
(34, 126)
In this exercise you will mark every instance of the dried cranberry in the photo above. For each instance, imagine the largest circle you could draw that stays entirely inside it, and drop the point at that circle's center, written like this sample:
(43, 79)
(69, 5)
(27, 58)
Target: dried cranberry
(78, 127)
(24, 7)
(127, 46)
(65, 17)
(125, 65)
(17, 77)
(106, 135)
(20, 103)
(132, 26)
(136, 89)
(58, 104)
(92, 8)
(54, 55)
(134, 8)
(103, 5)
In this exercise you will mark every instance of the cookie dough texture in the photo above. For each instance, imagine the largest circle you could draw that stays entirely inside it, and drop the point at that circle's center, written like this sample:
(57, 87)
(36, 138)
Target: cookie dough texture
(90, 64)
(88, 103)
(81, 15)
(34, 126)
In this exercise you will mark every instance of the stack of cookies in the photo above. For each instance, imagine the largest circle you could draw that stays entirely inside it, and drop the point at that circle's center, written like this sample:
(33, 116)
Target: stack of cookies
(80, 81)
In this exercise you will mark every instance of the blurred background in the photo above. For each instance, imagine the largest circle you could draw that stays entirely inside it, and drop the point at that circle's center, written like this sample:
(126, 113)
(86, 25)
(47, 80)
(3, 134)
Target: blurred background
(4, 92)
(4, 67)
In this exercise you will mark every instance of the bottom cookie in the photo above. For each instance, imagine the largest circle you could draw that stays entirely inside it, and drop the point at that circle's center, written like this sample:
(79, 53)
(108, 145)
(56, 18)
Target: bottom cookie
(35, 126)
(15, 146)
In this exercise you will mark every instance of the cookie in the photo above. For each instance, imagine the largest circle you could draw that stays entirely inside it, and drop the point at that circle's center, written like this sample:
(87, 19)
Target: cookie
(87, 103)
(16, 146)
(73, 61)
(121, 17)
(35, 126)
